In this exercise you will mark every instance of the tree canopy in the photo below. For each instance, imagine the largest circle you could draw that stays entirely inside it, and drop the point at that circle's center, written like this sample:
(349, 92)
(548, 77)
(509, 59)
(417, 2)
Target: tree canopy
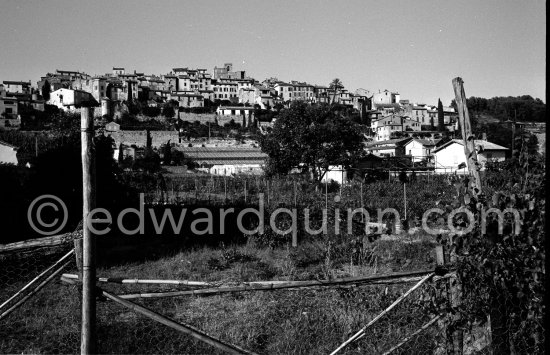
(520, 108)
(440, 117)
(335, 85)
(46, 89)
(311, 138)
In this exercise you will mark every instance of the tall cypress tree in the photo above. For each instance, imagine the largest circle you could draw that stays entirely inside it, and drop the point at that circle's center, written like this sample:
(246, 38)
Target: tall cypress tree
(167, 153)
(120, 154)
(440, 117)
(46, 89)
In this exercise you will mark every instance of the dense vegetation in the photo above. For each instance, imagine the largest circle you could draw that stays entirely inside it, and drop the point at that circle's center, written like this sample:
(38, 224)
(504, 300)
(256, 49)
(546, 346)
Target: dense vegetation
(521, 108)
(311, 138)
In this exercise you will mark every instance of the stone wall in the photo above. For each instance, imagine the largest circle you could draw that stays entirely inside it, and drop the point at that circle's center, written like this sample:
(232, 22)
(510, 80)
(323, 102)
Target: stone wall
(139, 138)
(204, 118)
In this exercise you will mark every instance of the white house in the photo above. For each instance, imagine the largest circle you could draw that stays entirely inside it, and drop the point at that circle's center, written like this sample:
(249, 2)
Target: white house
(8, 153)
(227, 161)
(335, 173)
(387, 148)
(235, 110)
(70, 100)
(420, 148)
(451, 154)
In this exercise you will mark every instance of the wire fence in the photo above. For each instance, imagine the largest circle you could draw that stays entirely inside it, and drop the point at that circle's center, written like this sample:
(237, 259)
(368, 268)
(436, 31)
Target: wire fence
(309, 320)
(313, 318)
(299, 321)
(40, 319)
(411, 201)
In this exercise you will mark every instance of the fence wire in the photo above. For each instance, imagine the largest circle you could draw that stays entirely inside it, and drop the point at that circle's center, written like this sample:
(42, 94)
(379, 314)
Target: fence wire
(49, 321)
(301, 321)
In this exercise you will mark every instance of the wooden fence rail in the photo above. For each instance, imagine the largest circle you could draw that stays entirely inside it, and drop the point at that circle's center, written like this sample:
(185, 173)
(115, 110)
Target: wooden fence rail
(184, 328)
(361, 331)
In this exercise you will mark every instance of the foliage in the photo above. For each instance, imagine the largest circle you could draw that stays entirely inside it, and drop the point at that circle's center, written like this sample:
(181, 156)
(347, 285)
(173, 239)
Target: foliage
(264, 115)
(502, 273)
(46, 89)
(149, 162)
(168, 110)
(56, 170)
(196, 110)
(520, 108)
(335, 85)
(440, 117)
(167, 153)
(232, 124)
(311, 138)
(151, 111)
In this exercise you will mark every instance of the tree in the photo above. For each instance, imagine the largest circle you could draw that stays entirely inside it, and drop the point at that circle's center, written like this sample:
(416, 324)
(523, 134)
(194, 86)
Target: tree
(311, 138)
(440, 116)
(120, 154)
(149, 162)
(177, 157)
(168, 111)
(46, 89)
(335, 85)
(108, 90)
(148, 139)
(130, 98)
(167, 153)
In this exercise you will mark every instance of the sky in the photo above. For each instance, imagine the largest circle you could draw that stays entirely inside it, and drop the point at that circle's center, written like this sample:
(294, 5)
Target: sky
(416, 48)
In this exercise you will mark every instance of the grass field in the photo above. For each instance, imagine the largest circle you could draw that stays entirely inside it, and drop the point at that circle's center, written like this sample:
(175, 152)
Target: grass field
(298, 321)
(281, 321)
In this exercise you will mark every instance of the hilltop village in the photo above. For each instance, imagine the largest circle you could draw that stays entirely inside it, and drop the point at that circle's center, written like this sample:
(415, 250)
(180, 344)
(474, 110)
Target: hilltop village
(191, 103)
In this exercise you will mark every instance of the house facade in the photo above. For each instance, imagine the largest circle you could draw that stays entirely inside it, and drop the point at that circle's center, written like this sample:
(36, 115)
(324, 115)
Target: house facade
(8, 153)
(227, 161)
(335, 173)
(17, 87)
(235, 111)
(420, 148)
(450, 156)
(71, 100)
(387, 148)
(385, 97)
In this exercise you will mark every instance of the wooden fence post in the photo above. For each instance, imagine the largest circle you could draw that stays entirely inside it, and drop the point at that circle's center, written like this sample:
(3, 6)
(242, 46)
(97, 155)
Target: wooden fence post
(78, 255)
(498, 312)
(88, 336)
(295, 192)
(469, 142)
(441, 261)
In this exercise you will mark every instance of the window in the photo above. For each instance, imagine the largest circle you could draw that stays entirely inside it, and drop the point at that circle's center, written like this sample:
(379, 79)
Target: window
(9, 110)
